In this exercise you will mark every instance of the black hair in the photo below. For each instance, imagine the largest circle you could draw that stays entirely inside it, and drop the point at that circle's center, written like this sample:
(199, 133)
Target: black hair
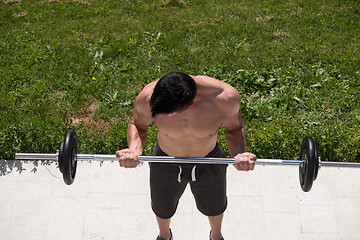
(174, 92)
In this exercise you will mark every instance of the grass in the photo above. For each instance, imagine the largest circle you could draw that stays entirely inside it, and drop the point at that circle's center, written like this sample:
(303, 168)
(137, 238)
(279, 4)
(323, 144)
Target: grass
(80, 64)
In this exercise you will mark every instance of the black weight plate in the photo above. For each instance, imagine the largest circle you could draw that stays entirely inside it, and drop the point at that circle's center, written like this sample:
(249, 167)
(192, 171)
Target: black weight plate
(316, 164)
(307, 168)
(69, 152)
(60, 157)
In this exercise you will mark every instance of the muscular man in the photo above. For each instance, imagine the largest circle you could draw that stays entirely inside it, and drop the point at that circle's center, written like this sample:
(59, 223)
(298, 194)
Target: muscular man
(188, 112)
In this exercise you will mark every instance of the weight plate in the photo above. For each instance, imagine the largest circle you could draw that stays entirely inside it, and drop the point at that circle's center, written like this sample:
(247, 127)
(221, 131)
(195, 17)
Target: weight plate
(60, 157)
(307, 168)
(69, 152)
(316, 164)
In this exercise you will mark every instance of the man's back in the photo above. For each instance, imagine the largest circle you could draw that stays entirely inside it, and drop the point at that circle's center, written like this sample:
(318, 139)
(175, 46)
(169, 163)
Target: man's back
(193, 132)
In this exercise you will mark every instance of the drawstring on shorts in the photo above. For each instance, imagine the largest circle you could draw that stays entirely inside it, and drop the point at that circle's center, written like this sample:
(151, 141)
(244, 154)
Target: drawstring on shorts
(193, 171)
(179, 175)
(193, 178)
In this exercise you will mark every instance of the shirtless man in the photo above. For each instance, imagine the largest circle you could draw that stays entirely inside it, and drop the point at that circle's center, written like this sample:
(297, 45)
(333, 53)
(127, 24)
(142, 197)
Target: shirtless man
(188, 112)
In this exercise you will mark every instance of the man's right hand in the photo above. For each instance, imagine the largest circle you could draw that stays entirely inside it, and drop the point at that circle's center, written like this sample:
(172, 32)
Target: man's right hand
(128, 158)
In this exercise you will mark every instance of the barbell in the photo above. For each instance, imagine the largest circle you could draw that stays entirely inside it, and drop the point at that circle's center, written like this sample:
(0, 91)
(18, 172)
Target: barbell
(67, 158)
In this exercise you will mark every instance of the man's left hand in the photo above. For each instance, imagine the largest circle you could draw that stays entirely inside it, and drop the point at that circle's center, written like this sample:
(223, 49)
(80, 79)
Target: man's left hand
(245, 161)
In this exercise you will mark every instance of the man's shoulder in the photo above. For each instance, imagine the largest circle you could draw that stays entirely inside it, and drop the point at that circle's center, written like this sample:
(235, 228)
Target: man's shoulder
(229, 98)
(146, 92)
(229, 91)
(223, 87)
(226, 91)
(142, 102)
(223, 94)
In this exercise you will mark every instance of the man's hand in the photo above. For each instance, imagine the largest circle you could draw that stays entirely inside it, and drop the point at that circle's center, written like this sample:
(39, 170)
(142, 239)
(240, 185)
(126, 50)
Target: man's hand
(128, 158)
(245, 161)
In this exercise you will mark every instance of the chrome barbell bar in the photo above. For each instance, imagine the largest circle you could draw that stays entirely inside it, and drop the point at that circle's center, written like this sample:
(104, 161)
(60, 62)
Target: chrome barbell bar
(166, 159)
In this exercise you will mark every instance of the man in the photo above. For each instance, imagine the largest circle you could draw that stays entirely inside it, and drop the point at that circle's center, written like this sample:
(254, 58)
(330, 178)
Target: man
(188, 111)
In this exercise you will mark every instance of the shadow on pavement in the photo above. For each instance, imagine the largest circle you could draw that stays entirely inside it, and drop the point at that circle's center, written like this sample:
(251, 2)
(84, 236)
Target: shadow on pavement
(9, 166)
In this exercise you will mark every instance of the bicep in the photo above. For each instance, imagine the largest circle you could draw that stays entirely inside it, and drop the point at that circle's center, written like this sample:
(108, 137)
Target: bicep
(141, 114)
(140, 120)
(234, 122)
(233, 116)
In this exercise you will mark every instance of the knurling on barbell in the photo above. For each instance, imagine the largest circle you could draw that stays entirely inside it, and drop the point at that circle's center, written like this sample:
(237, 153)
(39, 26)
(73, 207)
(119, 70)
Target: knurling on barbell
(308, 168)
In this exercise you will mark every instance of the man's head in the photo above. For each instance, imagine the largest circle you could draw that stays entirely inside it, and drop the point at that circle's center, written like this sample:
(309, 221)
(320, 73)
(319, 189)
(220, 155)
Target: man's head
(174, 92)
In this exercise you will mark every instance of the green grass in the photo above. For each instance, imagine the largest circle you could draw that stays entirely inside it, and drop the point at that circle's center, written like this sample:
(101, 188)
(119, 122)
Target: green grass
(81, 63)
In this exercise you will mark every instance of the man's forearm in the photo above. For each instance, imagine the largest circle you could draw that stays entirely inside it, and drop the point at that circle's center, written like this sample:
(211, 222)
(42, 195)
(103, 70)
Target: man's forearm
(136, 138)
(235, 140)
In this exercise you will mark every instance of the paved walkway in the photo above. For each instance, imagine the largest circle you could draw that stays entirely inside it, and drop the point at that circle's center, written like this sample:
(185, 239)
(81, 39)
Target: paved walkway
(108, 202)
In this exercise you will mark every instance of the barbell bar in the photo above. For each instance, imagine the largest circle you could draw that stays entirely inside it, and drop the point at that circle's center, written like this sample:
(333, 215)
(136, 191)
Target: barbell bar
(160, 159)
(165, 159)
(67, 158)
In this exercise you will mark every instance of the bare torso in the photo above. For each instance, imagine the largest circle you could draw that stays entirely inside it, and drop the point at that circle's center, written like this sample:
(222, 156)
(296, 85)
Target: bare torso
(191, 133)
(194, 132)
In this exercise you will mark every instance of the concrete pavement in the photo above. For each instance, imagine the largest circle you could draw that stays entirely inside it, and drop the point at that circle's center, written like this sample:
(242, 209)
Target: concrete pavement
(108, 202)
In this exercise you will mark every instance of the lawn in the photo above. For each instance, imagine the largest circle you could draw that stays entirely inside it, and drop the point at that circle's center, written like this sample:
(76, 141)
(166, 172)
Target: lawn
(80, 64)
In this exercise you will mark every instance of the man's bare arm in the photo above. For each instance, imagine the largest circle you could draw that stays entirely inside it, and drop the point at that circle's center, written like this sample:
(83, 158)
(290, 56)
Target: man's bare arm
(235, 137)
(137, 134)
(137, 130)
(235, 133)
(234, 127)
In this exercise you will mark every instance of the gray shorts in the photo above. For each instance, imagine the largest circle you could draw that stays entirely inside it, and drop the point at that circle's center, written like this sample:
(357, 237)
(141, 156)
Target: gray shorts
(207, 181)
